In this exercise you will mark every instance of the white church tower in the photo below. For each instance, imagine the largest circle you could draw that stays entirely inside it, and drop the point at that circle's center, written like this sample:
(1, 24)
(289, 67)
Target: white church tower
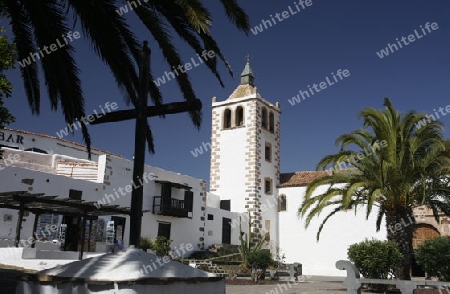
(245, 154)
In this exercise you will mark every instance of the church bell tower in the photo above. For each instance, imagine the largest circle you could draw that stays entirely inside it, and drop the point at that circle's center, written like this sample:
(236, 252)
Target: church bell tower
(245, 154)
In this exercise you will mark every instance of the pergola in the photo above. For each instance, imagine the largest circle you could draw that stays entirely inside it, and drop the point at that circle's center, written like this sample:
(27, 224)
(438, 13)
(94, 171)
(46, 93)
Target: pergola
(39, 204)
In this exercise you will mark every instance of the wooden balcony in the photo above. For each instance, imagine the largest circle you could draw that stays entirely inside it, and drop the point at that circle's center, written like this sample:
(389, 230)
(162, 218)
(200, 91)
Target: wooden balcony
(170, 207)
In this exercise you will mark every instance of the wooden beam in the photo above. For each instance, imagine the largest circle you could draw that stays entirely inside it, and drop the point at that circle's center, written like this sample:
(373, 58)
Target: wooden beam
(137, 193)
(169, 108)
(36, 219)
(89, 235)
(19, 225)
(83, 237)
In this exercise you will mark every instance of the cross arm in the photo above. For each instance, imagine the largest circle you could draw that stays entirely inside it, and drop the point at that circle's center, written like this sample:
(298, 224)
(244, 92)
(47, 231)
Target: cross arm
(169, 108)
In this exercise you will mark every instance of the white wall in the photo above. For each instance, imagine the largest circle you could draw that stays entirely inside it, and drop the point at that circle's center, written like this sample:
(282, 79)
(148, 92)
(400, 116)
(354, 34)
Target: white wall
(115, 175)
(341, 230)
(52, 145)
(50, 184)
(233, 146)
(212, 200)
(213, 228)
(269, 169)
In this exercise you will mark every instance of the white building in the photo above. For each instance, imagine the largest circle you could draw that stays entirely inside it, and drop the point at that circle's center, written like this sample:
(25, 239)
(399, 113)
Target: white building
(245, 184)
(55, 168)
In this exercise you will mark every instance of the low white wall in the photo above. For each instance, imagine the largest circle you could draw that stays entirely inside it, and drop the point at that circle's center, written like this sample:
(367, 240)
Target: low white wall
(33, 253)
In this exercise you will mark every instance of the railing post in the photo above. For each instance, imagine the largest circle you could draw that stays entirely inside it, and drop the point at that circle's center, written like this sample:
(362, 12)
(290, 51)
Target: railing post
(351, 282)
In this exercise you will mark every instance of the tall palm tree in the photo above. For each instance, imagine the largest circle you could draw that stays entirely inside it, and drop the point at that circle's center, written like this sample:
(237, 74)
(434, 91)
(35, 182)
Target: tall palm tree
(411, 169)
(7, 60)
(36, 24)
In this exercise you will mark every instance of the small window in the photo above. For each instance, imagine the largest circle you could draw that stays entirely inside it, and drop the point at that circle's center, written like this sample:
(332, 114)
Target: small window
(268, 152)
(271, 122)
(282, 203)
(164, 230)
(227, 119)
(225, 205)
(239, 116)
(268, 186)
(264, 118)
(210, 216)
(37, 150)
(75, 194)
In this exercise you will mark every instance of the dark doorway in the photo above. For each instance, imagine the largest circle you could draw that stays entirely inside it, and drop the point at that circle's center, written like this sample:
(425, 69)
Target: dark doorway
(119, 227)
(73, 232)
(226, 230)
(164, 230)
(74, 224)
(416, 270)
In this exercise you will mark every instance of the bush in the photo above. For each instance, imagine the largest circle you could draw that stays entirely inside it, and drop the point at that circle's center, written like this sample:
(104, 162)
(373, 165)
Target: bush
(375, 259)
(145, 243)
(434, 256)
(243, 268)
(160, 245)
(259, 259)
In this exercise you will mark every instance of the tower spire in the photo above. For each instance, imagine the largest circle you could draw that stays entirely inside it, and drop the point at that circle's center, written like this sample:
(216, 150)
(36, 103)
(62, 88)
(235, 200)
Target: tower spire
(247, 77)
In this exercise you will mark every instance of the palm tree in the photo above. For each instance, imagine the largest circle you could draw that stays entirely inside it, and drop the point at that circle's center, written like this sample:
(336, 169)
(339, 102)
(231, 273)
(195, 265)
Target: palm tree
(36, 24)
(7, 59)
(410, 170)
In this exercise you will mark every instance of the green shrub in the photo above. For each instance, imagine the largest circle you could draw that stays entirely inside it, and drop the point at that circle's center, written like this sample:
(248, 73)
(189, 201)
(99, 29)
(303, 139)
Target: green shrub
(146, 243)
(160, 245)
(375, 259)
(434, 256)
(259, 259)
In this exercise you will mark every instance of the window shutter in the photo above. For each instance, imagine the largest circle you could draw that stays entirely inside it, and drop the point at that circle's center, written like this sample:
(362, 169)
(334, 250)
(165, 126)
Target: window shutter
(166, 194)
(188, 200)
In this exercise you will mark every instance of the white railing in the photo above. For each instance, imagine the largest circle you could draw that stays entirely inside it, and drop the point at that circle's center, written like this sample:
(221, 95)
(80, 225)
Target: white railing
(354, 281)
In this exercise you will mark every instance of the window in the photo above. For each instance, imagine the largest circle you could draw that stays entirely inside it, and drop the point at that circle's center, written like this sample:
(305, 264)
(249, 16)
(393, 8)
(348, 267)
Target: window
(239, 116)
(267, 229)
(164, 230)
(264, 118)
(267, 186)
(225, 205)
(37, 150)
(271, 122)
(210, 216)
(227, 119)
(268, 152)
(75, 194)
(282, 203)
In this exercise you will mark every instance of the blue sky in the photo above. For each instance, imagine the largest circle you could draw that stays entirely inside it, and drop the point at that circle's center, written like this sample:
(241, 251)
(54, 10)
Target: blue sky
(301, 50)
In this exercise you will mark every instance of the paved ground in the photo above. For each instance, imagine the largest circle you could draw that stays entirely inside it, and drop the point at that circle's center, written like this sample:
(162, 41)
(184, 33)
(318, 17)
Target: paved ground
(314, 284)
(9, 277)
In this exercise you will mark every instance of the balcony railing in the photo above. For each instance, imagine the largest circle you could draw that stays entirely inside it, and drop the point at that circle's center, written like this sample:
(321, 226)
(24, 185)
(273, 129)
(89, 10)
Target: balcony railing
(169, 207)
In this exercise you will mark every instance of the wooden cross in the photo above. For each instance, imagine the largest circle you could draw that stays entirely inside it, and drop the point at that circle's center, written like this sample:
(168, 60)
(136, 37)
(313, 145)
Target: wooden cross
(140, 113)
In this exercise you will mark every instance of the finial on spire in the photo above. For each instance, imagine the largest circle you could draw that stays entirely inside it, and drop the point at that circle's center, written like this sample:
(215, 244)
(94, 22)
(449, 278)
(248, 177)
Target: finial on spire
(247, 76)
(247, 57)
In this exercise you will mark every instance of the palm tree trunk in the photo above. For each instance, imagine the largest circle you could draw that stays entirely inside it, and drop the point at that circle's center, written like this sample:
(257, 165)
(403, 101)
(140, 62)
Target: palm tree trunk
(400, 228)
